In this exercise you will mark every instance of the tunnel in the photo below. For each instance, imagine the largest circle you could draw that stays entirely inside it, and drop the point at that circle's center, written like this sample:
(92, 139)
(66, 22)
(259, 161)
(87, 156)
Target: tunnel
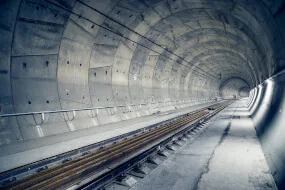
(79, 74)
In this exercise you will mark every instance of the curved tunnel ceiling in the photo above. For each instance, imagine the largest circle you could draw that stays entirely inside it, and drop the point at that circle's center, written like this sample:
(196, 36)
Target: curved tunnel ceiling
(69, 54)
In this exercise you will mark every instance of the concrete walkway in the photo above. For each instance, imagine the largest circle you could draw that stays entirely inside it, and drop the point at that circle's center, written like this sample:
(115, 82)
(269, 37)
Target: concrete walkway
(227, 155)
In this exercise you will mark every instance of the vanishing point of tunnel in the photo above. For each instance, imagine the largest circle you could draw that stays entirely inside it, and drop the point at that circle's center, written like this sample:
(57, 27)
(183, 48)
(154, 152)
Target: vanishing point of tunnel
(142, 94)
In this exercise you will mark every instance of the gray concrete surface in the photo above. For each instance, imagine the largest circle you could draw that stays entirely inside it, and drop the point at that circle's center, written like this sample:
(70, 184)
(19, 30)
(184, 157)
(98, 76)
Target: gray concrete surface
(226, 156)
(54, 55)
(268, 119)
(62, 54)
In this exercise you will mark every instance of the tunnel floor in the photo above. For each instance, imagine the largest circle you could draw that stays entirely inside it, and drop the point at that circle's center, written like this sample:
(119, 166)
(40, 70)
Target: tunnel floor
(226, 155)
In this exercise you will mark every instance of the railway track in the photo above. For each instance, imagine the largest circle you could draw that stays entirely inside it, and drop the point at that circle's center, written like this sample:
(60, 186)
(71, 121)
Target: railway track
(99, 162)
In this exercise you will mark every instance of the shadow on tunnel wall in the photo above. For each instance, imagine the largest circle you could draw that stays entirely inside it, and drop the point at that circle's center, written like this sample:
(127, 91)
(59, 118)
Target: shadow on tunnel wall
(269, 120)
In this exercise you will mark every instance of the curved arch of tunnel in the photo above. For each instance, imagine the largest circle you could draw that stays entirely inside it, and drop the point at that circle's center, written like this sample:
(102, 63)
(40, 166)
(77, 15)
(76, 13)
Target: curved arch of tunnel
(77, 54)
(229, 31)
(210, 42)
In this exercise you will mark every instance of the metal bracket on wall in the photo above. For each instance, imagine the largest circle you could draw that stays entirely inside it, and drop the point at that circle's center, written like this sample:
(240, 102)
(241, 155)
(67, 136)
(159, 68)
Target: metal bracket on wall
(42, 119)
(93, 113)
(66, 117)
(110, 112)
(125, 109)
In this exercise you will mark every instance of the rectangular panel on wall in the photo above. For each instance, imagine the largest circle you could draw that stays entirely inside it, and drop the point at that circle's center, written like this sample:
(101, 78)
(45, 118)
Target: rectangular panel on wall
(101, 94)
(34, 86)
(34, 83)
(73, 65)
(120, 77)
(100, 85)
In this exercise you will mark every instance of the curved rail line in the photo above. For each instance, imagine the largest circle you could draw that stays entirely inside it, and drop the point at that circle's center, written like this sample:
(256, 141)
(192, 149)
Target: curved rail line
(72, 172)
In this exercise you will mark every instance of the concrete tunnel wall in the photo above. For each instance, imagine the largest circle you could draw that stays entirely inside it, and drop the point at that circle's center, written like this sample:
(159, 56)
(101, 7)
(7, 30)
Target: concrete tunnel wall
(55, 56)
(267, 113)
